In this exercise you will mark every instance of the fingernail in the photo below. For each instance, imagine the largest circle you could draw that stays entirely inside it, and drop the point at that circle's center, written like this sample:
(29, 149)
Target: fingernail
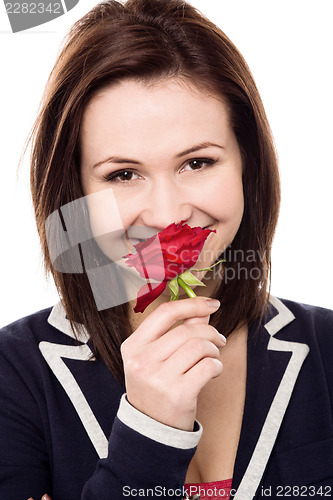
(215, 304)
(223, 337)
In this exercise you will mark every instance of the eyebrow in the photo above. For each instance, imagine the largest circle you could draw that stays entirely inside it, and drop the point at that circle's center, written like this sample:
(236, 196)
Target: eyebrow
(198, 147)
(193, 149)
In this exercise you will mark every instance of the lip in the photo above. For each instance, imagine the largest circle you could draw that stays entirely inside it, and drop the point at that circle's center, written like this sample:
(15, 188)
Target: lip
(135, 241)
(137, 234)
(140, 232)
(131, 242)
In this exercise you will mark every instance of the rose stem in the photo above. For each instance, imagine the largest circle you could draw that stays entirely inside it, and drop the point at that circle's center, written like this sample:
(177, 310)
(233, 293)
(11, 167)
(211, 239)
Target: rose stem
(185, 287)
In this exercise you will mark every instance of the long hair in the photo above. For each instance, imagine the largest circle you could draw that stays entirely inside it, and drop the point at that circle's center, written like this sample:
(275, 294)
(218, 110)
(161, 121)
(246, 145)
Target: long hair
(151, 40)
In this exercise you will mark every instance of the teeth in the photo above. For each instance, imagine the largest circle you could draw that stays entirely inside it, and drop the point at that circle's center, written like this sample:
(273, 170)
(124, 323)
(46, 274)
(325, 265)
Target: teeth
(135, 241)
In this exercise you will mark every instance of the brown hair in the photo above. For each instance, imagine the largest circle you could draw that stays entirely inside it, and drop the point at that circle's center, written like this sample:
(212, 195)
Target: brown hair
(148, 40)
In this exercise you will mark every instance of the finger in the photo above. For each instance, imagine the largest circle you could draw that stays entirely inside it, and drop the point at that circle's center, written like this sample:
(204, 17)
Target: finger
(168, 313)
(200, 374)
(187, 356)
(174, 339)
(204, 320)
(46, 497)
(200, 319)
(197, 319)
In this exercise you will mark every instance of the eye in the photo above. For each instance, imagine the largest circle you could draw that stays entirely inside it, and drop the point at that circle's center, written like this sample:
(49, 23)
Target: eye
(198, 164)
(121, 176)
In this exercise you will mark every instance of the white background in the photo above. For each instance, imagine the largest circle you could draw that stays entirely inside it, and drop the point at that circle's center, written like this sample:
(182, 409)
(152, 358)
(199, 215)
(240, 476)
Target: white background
(288, 46)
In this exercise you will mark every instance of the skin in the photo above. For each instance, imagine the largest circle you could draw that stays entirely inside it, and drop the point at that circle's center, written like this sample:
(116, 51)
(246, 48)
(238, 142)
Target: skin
(152, 125)
(143, 130)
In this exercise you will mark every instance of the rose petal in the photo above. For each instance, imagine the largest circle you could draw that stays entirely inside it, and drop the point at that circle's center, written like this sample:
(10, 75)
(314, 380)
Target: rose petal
(147, 294)
(164, 256)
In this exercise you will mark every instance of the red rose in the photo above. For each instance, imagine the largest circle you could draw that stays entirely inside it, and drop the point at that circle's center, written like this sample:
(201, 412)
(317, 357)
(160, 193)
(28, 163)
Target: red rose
(164, 256)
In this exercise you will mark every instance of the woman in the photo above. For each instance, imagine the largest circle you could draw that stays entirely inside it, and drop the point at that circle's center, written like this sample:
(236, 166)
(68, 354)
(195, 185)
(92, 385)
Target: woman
(151, 118)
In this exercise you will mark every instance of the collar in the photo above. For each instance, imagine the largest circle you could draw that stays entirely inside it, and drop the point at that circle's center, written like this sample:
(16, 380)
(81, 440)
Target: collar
(58, 319)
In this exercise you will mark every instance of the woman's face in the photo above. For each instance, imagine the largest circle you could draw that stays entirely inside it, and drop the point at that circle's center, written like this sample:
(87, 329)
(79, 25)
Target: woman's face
(156, 155)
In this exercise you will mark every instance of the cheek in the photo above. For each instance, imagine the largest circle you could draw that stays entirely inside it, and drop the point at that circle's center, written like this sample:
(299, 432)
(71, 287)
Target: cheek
(232, 204)
(226, 202)
(106, 223)
(104, 213)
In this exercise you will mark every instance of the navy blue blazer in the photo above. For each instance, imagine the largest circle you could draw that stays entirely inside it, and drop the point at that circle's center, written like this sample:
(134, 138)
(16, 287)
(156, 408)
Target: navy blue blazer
(61, 431)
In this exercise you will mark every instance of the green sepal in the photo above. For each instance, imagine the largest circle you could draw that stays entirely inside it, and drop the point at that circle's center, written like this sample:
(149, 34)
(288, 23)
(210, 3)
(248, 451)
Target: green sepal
(190, 279)
(174, 289)
(209, 268)
(185, 287)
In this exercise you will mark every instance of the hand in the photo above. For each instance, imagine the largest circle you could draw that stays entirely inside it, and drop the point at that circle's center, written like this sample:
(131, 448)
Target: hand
(166, 368)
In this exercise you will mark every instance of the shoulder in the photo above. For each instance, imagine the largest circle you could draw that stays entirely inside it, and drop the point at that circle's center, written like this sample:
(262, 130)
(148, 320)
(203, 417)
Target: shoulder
(25, 330)
(20, 357)
(19, 341)
(312, 320)
(311, 325)
(23, 367)
(21, 363)
(294, 321)
(26, 325)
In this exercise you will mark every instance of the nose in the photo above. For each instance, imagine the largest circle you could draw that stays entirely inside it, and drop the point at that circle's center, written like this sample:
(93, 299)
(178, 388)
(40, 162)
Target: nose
(166, 204)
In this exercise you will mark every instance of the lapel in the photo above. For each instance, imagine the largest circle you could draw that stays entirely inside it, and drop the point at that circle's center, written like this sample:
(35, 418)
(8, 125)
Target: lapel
(273, 366)
(55, 354)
